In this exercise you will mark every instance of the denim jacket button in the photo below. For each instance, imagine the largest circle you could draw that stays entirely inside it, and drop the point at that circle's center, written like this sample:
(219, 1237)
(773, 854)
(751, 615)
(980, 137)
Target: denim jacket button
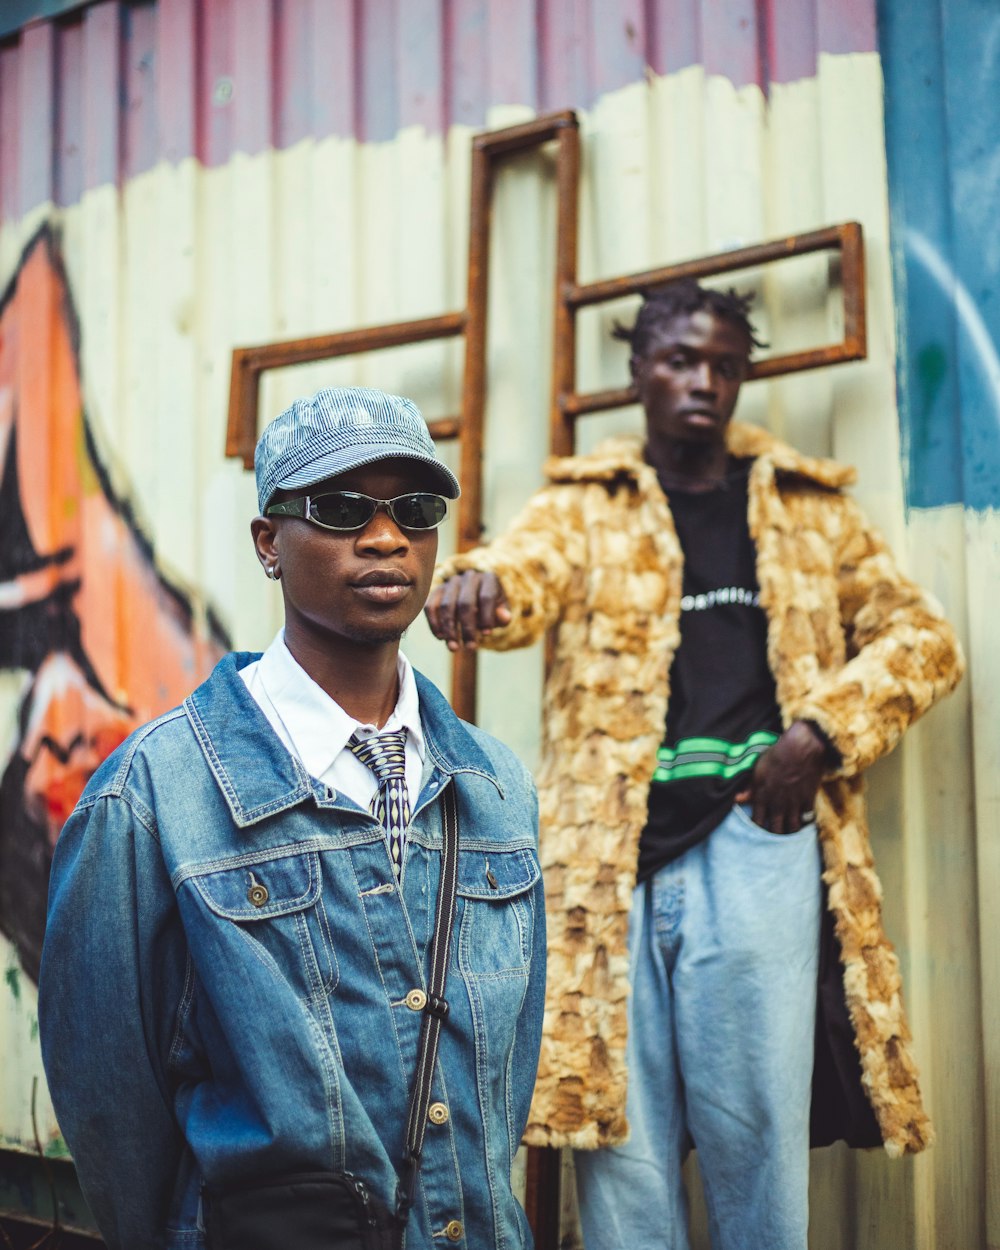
(437, 1113)
(257, 894)
(416, 1000)
(454, 1230)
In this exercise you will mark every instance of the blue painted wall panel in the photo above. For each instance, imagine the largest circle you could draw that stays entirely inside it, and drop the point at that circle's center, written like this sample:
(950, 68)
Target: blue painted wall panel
(942, 67)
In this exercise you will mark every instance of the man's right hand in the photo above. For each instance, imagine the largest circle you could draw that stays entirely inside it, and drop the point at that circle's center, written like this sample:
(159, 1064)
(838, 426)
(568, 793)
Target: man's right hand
(467, 607)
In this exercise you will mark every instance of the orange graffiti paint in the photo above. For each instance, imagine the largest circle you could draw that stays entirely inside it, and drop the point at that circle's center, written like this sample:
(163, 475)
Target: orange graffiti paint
(103, 640)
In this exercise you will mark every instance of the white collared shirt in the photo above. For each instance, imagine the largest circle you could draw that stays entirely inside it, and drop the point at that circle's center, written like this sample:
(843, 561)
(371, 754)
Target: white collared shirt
(316, 729)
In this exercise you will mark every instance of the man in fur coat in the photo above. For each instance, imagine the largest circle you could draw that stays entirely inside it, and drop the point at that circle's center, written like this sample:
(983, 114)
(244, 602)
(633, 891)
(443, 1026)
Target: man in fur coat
(733, 647)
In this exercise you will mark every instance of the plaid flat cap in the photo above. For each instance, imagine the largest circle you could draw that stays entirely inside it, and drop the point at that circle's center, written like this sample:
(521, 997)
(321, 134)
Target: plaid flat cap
(340, 429)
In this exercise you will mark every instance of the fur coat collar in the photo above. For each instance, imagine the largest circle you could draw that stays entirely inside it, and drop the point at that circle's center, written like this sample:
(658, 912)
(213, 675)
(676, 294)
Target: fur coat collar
(615, 458)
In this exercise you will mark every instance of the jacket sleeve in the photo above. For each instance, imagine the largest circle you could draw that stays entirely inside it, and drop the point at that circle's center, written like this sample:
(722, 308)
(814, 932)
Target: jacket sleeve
(535, 560)
(902, 654)
(112, 976)
(528, 1039)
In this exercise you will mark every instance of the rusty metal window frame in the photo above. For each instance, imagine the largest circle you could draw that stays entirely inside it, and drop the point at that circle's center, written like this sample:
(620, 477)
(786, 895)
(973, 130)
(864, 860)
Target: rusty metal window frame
(847, 239)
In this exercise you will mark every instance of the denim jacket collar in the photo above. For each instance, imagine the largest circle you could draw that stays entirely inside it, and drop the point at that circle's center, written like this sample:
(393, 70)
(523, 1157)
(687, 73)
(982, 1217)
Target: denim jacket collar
(259, 777)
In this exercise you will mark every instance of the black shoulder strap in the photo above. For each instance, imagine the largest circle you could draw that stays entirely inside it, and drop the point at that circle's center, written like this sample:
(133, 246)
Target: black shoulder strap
(435, 1012)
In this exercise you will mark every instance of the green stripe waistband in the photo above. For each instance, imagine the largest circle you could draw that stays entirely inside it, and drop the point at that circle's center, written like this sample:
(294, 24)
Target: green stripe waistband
(710, 757)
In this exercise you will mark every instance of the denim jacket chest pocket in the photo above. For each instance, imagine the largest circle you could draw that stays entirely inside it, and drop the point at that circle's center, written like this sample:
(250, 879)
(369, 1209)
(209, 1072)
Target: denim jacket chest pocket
(496, 929)
(274, 909)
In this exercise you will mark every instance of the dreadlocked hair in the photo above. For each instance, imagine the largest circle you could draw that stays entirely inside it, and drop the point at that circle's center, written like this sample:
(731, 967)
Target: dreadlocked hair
(681, 298)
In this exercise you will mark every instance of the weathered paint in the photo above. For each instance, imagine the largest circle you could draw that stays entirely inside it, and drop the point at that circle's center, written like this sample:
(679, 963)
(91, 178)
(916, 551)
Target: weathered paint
(139, 83)
(942, 118)
(193, 212)
(942, 62)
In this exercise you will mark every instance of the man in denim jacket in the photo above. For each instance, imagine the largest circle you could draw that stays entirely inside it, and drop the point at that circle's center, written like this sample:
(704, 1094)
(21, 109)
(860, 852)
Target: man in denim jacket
(236, 962)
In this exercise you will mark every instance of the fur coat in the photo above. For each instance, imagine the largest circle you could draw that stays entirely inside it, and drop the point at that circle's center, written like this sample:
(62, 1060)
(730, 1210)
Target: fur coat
(853, 645)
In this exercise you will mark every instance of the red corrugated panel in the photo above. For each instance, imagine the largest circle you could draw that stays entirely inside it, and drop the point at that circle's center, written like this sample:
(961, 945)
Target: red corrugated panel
(102, 94)
(216, 85)
(730, 39)
(420, 56)
(254, 75)
(790, 45)
(69, 114)
(512, 71)
(175, 73)
(377, 85)
(673, 35)
(111, 90)
(848, 25)
(140, 140)
(468, 36)
(36, 158)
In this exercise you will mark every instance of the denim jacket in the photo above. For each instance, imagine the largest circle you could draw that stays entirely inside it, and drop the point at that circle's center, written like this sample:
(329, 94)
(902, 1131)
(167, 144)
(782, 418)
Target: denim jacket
(199, 1029)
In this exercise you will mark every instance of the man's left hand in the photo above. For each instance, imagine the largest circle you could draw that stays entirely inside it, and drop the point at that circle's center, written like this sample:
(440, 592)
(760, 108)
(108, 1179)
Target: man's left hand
(783, 786)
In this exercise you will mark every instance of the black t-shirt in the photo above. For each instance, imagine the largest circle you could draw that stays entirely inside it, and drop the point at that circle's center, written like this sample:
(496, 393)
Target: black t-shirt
(723, 710)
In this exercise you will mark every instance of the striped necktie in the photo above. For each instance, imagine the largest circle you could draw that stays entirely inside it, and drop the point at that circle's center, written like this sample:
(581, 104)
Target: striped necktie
(385, 755)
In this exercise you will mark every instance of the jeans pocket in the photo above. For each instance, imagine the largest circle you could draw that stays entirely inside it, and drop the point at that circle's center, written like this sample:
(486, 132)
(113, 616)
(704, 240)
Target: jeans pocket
(743, 813)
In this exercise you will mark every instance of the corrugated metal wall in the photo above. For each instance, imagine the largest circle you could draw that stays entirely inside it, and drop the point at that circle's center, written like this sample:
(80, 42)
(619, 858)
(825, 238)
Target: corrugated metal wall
(220, 173)
(111, 89)
(942, 68)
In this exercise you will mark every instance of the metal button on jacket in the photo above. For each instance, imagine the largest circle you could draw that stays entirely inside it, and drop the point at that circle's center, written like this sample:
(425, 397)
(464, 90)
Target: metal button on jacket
(454, 1230)
(437, 1113)
(416, 1000)
(257, 894)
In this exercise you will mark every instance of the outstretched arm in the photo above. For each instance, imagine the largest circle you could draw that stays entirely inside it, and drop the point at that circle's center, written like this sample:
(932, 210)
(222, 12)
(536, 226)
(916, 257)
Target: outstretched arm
(508, 593)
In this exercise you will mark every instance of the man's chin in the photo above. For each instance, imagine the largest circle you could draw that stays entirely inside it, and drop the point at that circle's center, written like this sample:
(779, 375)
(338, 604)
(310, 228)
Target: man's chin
(378, 634)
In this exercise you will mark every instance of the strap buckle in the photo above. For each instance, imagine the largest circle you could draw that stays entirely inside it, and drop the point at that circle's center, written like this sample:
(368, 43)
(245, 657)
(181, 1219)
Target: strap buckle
(437, 1006)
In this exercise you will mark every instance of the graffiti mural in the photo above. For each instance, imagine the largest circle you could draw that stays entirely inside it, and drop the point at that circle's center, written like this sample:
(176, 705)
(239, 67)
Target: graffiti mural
(94, 638)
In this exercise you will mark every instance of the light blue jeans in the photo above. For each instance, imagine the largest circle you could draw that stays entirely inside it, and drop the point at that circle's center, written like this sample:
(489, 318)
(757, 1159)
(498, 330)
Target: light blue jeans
(723, 946)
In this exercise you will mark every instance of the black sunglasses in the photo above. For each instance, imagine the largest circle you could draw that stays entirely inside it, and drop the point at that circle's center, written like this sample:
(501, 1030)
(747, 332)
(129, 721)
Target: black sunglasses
(347, 510)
